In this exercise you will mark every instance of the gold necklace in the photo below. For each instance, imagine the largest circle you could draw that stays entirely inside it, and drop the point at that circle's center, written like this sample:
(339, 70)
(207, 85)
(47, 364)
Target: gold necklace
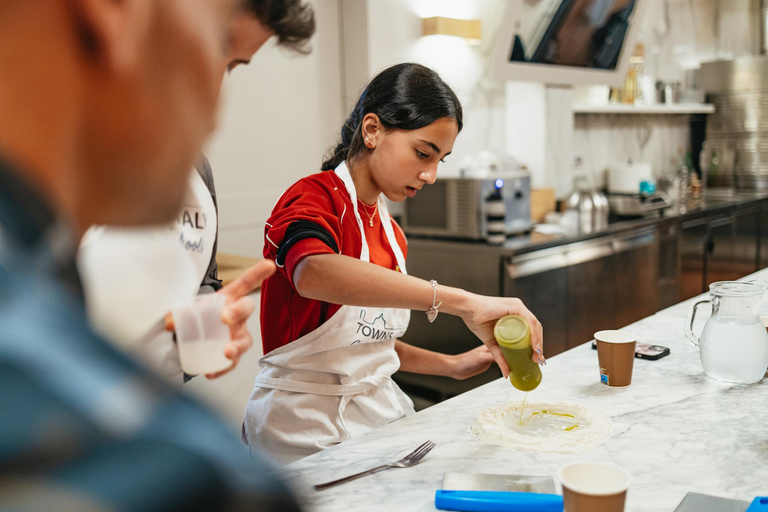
(370, 216)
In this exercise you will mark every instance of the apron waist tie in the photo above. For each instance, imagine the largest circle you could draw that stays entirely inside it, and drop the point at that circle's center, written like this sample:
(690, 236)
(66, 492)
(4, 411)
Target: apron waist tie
(297, 386)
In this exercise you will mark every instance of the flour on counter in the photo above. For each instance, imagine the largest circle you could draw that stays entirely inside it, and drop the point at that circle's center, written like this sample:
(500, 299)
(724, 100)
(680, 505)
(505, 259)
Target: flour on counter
(545, 427)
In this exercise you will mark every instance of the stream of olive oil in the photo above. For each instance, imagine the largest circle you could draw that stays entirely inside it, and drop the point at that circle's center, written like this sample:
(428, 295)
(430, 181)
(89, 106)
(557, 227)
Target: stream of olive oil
(521, 409)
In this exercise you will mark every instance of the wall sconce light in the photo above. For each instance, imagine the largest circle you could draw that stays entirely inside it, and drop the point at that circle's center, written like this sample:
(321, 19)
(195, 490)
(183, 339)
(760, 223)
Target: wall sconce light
(468, 29)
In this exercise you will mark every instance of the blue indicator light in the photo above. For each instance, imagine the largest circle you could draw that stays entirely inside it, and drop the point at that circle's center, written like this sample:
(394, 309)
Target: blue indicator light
(499, 183)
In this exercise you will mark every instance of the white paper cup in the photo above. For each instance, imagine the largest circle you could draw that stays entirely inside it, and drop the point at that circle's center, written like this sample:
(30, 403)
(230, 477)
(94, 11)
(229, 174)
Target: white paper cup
(201, 334)
(593, 487)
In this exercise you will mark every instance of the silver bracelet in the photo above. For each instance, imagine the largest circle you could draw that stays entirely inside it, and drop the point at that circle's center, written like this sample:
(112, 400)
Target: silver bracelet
(432, 313)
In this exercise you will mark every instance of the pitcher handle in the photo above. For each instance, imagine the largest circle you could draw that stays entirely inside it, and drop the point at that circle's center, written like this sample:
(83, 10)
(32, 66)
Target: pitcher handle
(689, 322)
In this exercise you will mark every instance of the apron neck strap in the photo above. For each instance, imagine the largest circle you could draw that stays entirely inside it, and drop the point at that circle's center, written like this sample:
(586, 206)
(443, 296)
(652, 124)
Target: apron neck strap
(342, 171)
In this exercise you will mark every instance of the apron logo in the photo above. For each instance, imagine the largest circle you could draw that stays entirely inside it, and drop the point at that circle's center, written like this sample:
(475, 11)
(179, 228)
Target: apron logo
(190, 245)
(193, 219)
(373, 332)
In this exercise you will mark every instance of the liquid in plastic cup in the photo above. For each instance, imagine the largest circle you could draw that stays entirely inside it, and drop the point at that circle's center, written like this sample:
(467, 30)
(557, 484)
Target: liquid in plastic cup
(514, 338)
(201, 334)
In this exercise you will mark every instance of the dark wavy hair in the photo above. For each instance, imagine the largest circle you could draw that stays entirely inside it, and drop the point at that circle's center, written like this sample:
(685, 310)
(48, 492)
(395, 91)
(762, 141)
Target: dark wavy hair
(292, 22)
(407, 97)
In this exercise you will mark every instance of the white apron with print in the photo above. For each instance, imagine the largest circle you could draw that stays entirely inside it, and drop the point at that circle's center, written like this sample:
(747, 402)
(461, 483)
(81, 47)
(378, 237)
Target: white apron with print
(335, 382)
(133, 276)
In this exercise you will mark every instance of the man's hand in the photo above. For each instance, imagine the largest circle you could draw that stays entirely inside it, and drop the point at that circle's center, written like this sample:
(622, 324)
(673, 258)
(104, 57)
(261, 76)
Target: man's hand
(239, 308)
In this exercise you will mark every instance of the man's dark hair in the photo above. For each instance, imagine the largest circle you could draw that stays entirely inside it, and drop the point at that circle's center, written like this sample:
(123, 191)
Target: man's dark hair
(292, 21)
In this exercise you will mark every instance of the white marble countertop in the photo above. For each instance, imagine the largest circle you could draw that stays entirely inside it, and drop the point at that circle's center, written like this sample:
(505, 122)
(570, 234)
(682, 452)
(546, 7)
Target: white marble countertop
(675, 430)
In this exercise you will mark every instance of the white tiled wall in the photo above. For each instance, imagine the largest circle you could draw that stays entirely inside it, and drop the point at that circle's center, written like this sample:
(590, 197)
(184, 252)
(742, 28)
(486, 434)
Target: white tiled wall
(602, 140)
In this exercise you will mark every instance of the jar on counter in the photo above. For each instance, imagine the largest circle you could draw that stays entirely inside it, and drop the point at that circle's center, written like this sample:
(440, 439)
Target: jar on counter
(680, 183)
(589, 205)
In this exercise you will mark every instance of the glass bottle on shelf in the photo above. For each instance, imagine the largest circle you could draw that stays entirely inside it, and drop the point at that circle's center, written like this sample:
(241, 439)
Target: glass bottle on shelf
(631, 93)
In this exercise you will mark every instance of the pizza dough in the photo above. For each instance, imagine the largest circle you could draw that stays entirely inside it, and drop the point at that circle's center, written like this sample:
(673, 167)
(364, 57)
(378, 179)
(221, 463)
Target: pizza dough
(545, 427)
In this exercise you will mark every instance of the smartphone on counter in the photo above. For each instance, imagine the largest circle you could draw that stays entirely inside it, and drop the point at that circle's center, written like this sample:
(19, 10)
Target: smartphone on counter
(646, 351)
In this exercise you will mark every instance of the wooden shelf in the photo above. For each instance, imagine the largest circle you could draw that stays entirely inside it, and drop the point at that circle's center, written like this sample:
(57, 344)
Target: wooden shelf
(620, 108)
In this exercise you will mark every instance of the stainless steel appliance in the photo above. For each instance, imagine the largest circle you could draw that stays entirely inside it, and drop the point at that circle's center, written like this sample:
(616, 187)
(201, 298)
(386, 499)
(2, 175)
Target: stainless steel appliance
(737, 133)
(471, 208)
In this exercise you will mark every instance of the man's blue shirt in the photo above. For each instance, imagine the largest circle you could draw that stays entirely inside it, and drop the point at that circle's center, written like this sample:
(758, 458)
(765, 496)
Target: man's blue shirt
(82, 426)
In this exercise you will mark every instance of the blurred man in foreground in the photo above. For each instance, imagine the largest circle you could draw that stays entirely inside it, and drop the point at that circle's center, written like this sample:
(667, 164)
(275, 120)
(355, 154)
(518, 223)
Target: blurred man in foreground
(104, 105)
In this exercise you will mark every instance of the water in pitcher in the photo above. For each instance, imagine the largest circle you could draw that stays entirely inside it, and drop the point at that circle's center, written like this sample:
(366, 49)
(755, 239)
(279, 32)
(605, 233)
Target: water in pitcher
(734, 351)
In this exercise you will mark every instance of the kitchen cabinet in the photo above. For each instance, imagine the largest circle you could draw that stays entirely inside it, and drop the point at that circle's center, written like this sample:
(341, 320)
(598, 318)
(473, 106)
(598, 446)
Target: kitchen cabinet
(762, 234)
(747, 240)
(591, 290)
(732, 247)
(668, 266)
(540, 280)
(578, 289)
(762, 237)
(637, 275)
(694, 240)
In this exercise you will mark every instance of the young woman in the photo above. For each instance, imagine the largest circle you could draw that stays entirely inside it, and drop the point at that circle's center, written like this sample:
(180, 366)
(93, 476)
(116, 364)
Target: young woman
(331, 315)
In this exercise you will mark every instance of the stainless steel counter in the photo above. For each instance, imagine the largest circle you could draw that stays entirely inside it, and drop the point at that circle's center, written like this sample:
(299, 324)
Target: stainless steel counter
(716, 203)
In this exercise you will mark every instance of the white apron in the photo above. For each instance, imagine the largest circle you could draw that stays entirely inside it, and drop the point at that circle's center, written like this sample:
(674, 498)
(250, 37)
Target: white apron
(133, 276)
(335, 382)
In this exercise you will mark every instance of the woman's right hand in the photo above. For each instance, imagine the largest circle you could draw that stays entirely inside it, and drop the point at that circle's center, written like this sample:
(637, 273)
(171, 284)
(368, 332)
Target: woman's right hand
(482, 314)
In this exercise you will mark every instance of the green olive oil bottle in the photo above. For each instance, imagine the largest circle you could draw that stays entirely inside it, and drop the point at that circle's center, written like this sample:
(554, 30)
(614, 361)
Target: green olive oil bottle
(514, 337)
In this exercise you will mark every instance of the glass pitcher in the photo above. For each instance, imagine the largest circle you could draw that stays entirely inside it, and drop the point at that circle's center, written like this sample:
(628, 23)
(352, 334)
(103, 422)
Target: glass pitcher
(734, 343)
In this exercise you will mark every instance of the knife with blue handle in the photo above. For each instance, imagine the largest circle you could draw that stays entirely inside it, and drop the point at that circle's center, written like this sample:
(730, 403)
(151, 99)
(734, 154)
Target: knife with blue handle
(501, 501)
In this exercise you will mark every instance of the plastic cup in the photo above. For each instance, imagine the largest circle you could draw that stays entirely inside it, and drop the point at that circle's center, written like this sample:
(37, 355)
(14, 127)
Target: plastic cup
(201, 334)
(616, 356)
(593, 487)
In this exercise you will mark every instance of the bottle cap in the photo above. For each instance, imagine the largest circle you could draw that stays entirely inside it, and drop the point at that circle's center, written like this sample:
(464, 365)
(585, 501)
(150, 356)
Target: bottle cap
(510, 330)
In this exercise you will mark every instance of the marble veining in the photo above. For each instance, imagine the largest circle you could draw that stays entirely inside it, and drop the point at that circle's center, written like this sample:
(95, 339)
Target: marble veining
(675, 430)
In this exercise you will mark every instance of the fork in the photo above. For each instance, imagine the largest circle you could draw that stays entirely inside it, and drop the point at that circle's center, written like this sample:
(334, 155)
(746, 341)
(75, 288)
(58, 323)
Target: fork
(409, 460)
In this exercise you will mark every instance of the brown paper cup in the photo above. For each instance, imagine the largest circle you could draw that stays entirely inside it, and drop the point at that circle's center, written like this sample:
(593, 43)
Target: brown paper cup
(616, 355)
(593, 487)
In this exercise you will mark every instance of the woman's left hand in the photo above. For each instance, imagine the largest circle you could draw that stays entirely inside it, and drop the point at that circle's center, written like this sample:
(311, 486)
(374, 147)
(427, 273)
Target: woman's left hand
(471, 363)
(482, 316)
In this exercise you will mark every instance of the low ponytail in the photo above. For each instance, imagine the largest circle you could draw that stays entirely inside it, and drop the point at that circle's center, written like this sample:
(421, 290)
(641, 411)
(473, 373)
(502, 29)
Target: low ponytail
(350, 137)
(405, 96)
